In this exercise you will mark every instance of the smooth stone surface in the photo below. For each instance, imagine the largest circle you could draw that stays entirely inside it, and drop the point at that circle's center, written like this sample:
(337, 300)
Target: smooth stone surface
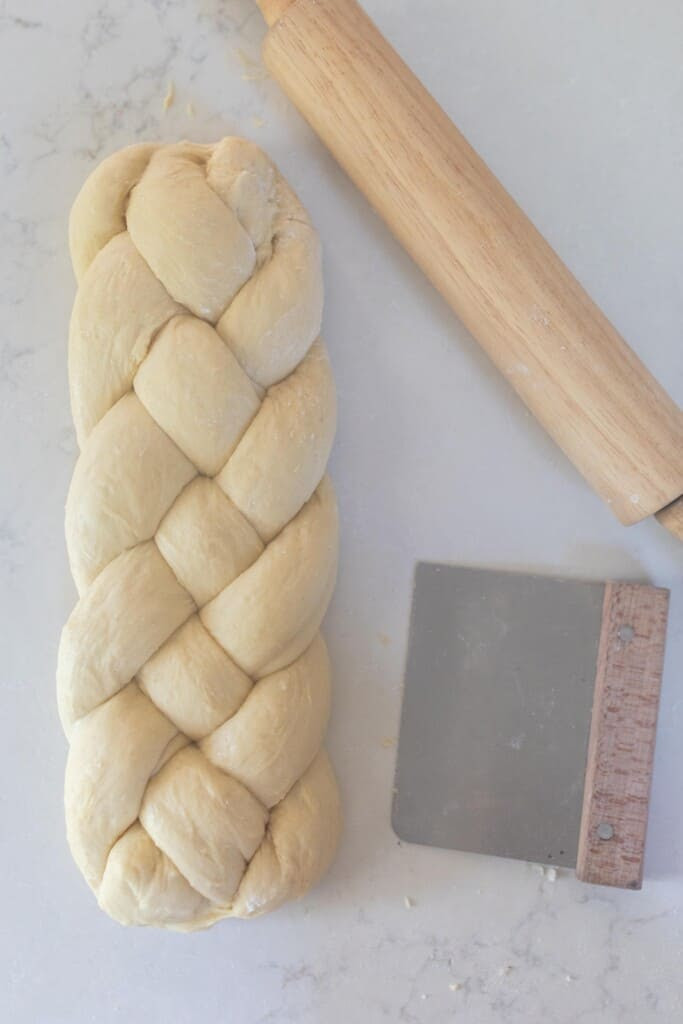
(577, 107)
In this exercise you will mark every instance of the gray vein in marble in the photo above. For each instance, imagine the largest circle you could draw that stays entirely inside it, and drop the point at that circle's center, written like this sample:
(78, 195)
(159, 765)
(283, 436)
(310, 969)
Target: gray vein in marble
(10, 21)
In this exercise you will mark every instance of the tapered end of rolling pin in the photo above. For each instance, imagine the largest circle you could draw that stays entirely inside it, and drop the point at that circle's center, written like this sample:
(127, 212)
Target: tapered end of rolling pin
(273, 9)
(671, 518)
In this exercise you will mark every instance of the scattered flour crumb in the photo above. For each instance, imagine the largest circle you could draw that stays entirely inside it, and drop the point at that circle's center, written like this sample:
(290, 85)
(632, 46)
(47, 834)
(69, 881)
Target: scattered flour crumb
(569, 978)
(539, 316)
(190, 109)
(170, 96)
(258, 121)
(505, 970)
(384, 639)
(388, 742)
(455, 986)
(548, 872)
(423, 996)
(408, 903)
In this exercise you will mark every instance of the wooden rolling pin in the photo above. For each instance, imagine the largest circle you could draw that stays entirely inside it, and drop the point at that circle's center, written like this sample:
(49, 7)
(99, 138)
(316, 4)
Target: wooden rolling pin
(565, 360)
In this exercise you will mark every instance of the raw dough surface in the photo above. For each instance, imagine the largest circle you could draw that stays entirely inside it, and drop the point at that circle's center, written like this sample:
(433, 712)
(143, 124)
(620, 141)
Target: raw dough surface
(193, 681)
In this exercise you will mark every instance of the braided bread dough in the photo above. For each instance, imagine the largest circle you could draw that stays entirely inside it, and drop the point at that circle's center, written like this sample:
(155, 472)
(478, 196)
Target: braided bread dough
(193, 683)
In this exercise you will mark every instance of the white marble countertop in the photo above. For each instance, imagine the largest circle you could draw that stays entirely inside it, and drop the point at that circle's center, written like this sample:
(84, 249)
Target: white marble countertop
(577, 107)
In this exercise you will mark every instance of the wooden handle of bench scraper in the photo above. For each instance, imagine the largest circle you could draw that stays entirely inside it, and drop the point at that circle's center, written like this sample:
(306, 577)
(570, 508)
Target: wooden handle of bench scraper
(562, 356)
(621, 746)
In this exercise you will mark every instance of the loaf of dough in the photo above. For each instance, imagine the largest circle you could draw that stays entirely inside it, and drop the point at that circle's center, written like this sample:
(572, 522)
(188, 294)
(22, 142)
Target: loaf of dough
(193, 683)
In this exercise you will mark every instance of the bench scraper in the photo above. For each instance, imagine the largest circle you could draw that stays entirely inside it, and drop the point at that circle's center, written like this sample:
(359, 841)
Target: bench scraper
(529, 718)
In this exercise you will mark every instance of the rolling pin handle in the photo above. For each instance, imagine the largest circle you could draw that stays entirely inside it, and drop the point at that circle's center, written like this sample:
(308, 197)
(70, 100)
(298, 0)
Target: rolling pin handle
(671, 518)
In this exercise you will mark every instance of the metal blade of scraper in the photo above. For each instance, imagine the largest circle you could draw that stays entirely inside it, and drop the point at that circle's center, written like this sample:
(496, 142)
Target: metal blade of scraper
(529, 716)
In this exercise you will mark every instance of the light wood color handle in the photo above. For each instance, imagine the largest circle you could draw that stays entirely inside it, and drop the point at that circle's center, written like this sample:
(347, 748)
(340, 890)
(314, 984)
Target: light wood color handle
(538, 325)
(671, 518)
(622, 737)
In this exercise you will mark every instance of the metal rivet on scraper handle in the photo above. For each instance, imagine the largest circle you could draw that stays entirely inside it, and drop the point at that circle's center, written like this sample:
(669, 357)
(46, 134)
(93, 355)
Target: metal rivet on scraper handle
(605, 831)
(626, 634)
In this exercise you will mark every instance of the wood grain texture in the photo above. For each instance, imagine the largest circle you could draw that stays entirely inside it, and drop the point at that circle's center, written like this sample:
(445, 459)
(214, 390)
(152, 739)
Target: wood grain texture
(622, 737)
(671, 518)
(538, 325)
